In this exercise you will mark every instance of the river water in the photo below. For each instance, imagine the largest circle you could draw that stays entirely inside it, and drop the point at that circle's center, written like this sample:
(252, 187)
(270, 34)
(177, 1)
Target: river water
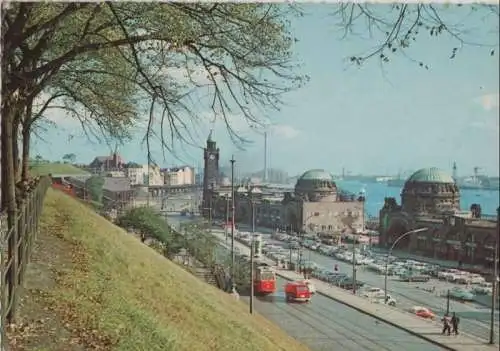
(376, 192)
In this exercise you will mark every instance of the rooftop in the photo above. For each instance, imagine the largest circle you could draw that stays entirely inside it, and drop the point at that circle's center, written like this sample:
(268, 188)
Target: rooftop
(431, 175)
(316, 174)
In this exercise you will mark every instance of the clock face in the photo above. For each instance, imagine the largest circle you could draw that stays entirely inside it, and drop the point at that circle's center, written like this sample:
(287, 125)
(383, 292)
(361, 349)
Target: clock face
(212, 157)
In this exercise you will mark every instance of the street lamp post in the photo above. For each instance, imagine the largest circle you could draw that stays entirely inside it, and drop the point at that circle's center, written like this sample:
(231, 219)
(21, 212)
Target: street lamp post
(314, 214)
(494, 291)
(233, 287)
(252, 253)
(227, 217)
(389, 254)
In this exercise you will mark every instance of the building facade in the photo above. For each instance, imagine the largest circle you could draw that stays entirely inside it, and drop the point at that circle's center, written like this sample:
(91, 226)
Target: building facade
(176, 176)
(315, 205)
(107, 163)
(430, 199)
(154, 176)
(137, 174)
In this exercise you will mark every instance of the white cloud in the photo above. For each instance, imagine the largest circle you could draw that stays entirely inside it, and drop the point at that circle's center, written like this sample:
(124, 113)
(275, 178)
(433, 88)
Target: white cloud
(488, 101)
(284, 131)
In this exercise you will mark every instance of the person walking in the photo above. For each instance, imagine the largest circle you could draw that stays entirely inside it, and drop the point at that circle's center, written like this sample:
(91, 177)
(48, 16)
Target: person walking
(446, 325)
(454, 323)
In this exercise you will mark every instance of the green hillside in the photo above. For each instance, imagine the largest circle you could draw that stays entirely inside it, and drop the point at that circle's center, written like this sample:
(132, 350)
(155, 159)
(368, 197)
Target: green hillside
(93, 286)
(55, 168)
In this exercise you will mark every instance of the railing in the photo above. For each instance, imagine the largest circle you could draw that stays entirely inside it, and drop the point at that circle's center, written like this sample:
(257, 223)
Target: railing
(15, 249)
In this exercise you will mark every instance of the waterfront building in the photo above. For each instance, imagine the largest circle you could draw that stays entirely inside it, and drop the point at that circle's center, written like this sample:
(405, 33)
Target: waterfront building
(430, 199)
(314, 205)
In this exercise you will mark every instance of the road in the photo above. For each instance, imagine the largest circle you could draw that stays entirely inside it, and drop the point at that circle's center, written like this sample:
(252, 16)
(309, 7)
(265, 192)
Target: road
(325, 325)
(475, 318)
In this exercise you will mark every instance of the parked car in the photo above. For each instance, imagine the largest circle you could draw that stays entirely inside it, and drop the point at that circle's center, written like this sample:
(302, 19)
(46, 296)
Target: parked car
(420, 278)
(485, 288)
(422, 312)
(372, 292)
(461, 294)
(348, 283)
(389, 300)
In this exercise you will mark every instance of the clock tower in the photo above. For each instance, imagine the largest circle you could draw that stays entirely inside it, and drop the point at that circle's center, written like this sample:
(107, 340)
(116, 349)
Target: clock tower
(210, 174)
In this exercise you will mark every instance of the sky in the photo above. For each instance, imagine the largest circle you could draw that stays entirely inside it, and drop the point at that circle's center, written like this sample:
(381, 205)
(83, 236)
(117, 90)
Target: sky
(373, 119)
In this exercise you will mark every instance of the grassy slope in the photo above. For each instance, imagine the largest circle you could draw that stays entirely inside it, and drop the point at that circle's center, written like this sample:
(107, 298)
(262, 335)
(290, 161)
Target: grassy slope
(104, 288)
(55, 168)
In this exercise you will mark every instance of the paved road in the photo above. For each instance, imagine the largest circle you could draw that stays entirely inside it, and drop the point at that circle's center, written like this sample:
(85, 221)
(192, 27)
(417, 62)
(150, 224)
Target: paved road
(475, 318)
(325, 325)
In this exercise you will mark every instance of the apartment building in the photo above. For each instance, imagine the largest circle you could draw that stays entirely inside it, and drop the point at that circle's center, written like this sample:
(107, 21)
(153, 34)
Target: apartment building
(137, 174)
(175, 176)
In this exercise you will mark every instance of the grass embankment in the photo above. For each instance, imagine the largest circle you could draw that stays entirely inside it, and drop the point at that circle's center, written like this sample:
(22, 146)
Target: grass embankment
(92, 286)
(55, 168)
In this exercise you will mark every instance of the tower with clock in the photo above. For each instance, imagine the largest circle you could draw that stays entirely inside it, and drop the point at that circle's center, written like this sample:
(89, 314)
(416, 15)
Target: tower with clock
(210, 173)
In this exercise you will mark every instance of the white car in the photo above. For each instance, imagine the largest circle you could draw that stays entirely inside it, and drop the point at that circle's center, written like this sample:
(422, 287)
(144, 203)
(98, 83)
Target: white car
(390, 300)
(477, 279)
(373, 292)
(485, 288)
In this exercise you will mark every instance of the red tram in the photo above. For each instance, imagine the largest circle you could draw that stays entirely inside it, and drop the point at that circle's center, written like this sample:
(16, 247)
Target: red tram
(264, 280)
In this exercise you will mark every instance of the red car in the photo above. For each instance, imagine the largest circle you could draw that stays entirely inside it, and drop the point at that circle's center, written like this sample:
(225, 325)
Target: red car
(297, 292)
(423, 312)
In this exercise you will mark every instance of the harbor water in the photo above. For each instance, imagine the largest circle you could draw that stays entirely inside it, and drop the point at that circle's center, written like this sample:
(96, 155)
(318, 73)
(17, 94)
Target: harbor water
(376, 192)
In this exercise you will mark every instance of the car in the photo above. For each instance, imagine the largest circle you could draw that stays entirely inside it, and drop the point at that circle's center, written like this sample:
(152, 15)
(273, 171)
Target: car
(461, 294)
(334, 276)
(421, 278)
(372, 292)
(485, 288)
(388, 300)
(348, 283)
(422, 312)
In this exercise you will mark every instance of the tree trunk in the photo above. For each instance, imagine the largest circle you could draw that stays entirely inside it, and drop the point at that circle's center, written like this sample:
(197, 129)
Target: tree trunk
(26, 155)
(15, 148)
(26, 144)
(8, 173)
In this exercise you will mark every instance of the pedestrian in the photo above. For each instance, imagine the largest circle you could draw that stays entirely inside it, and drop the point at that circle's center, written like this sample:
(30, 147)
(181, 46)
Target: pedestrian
(446, 325)
(454, 323)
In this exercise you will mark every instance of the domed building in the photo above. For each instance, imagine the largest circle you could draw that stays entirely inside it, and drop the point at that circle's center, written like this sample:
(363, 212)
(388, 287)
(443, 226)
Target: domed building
(316, 185)
(317, 205)
(430, 199)
(430, 190)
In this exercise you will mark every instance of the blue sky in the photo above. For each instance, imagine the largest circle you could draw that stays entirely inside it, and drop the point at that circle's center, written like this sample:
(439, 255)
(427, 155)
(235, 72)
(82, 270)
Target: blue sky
(372, 120)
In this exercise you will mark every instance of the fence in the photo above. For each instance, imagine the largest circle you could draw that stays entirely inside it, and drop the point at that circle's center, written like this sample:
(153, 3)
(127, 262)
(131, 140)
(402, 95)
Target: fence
(15, 249)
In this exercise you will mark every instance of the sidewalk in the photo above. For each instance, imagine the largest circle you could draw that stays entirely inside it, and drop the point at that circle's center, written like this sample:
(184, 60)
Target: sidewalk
(427, 330)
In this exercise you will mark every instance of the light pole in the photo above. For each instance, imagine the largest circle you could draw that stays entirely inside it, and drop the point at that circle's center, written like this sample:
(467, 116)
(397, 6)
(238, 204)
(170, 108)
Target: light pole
(233, 287)
(389, 254)
(252, 253)
(494, 291)
(227, 216)
(314, 214)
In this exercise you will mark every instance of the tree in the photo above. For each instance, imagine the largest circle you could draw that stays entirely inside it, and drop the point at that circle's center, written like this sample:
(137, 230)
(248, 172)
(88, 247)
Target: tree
(69, 158)
(242, 52)
(400, 26)
(94, 186)
(145, 221)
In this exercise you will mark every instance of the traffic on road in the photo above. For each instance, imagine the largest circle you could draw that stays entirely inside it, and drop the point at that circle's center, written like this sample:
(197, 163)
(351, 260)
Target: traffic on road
(326, 325)
(415, 287)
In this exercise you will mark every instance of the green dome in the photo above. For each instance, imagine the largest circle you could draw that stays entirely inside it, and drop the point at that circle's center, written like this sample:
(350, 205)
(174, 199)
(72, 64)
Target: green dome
(431, 175)
(316, 174)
